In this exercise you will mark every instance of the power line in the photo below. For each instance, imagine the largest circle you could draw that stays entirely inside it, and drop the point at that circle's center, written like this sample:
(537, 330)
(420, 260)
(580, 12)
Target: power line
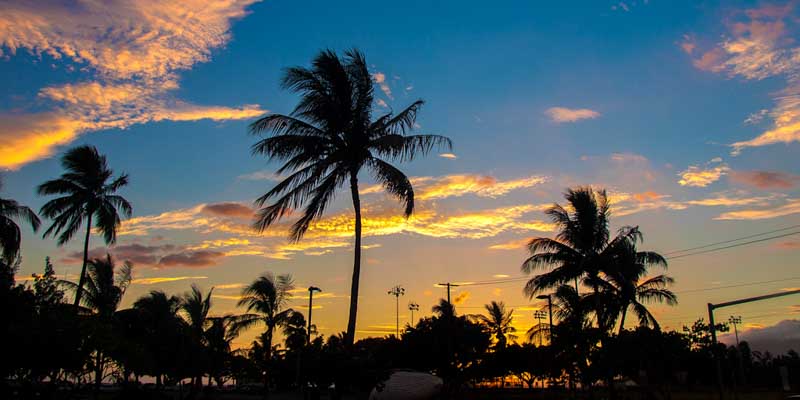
(731, 240)
(733, 245)
(736, 285)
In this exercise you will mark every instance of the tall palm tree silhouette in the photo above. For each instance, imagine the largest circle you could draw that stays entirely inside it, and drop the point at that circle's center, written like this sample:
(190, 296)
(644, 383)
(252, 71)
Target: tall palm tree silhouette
(498, 322)
(102, 294)
(88, 192)
(195, 308)
(327, 140)
(10, 234)
(581, 247)
(627, 287)
(266, 299)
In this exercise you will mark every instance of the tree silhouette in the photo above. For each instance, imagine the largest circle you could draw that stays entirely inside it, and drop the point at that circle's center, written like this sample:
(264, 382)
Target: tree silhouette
(102, 294)
(161, 325)
(627, 287)
(581, 246)
(195, 308)
(88, 192)
(498, 323)
(10, 235)
(266, 299)
(327, 140)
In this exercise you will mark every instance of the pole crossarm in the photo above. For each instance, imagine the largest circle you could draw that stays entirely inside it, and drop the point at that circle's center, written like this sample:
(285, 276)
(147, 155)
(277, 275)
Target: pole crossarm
(752, 299)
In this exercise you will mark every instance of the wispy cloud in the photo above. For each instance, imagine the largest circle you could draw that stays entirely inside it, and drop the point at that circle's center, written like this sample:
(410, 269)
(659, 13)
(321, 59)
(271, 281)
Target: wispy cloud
(165, 279)
(765, 179)
(512, 245)
(448, 155)
(380, 79)
(260, 176)
(759, 46)
(791, 206)
(131, 52)
(564, 114)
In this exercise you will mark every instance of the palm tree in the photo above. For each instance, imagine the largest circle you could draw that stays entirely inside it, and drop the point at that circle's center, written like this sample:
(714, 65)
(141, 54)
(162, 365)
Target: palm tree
(581, 246)
(266, 299)
(444, 308)
(625, 287)
(162, 328)
(102, 294)
(327, 140)
(88, 193)
(10, 235)
(218, 336)
(498, 323)
(195, 309)
(295, 332)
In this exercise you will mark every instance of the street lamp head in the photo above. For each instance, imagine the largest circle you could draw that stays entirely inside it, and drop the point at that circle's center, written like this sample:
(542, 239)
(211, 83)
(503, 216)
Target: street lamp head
(543, 296)
(314, 289)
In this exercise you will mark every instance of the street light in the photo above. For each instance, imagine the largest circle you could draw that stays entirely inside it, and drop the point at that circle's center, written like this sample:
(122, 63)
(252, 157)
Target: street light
(311, 290)
(550, 311)
(397, 291)
(735, 321)
(413, 307)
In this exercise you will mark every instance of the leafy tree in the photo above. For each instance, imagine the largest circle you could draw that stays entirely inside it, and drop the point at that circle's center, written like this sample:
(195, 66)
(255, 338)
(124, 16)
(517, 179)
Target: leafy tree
(162, 334)
(10, 234)
(88, 193)
(327, 140)
(498, 323)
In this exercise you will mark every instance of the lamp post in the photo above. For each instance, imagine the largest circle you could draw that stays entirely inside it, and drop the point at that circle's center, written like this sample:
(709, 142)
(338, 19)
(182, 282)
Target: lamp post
(397, 291)
(311, 290)
(413, 307)
(550, 311)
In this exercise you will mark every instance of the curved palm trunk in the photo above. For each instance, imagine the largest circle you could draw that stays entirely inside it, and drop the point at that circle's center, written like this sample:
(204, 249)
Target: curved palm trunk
(622, 320)
(82, 279)
(351, 322)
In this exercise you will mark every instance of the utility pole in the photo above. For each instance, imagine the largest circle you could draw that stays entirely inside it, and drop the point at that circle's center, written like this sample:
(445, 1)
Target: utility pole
(448, 285)
(539, 315)
(311, 290)
(712, 307)
(550, 311)
(412, 306)
(397, 291)
(735, 321)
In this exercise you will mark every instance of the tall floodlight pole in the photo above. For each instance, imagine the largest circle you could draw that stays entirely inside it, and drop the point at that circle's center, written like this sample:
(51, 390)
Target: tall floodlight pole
(397, 291)
(311, 290)
(413, 307)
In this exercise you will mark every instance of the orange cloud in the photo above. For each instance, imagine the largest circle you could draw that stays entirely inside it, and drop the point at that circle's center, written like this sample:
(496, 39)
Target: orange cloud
(133, 52)
(380, 79)
(448, 155)
(697, 176)
(563, 114)
(165, 279)
(512, 245)
(791, 206)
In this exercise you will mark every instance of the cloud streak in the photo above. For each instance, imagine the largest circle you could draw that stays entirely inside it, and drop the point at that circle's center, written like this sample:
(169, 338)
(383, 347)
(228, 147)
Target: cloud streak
(132, 53)
(563, 114)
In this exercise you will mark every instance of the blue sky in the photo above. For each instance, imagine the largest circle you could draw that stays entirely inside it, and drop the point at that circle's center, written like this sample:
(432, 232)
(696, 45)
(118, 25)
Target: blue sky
(636, 97)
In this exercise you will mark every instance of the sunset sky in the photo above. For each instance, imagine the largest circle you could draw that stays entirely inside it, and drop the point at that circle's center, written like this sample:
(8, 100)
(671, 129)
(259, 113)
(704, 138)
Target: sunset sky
(688, 112)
